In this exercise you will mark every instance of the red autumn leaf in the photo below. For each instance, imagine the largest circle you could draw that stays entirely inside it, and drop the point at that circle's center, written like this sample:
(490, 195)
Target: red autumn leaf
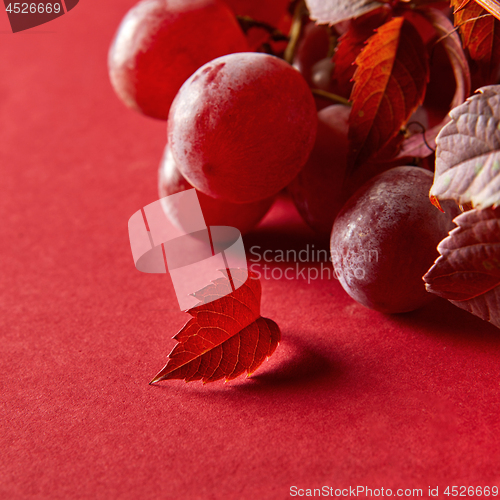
(468, 271)
(436, 3)
(492, 6)
(460, 4)
(468, 152)
(419, 145)
(480, 37)
(226, 336)
(335, 11)
(389, 84)
(349, 46)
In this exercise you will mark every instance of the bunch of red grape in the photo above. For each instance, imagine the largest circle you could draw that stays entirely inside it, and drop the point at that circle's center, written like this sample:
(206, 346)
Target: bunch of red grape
(243, 124)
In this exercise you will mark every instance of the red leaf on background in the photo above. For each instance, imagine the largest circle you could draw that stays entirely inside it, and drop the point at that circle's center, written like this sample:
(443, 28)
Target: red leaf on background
(335, 11)
(349, 46)
(389, 84)
(460, 4)
(480, 37)
(468, 271)
(436, 3)
(225, 337)
(492, 6)
(418, 145)
(468, 152)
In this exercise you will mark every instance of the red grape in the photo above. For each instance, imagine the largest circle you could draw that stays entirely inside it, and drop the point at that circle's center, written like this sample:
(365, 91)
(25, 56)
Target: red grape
(321, 76)
(216, 212)
(385, 237)
(160, 43)
(312, 48)
(317, 190)
(242, 127)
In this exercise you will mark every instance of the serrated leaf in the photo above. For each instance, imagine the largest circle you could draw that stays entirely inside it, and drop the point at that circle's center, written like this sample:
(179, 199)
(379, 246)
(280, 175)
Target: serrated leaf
(418, 145)
(468, 271)
(350, 45)
(468, 152)
(226, 336)
(480, 37)
(492, 6)
(335, 11)
(389, 84)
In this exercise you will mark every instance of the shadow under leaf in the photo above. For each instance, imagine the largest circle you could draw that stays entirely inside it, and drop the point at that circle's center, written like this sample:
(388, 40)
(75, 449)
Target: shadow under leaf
(300, 365)
(445, 320)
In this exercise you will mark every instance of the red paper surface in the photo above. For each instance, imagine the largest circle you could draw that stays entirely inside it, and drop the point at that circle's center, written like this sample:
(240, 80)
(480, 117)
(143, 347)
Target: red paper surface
(350, 398)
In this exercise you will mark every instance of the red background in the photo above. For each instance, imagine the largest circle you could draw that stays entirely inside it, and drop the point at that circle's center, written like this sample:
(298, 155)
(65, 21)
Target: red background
(351, 397)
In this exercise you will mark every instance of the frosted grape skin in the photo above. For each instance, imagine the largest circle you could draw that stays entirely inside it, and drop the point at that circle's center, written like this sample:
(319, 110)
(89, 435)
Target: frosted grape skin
(242, 127)
(244, 217)
(160, 43)
(385, 239)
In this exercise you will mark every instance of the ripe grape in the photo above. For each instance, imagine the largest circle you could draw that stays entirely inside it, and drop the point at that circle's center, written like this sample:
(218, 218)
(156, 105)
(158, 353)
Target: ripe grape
(385, 237)
(215, 212)
(160, 43)
(321, 75)
(312, 48)
(241, 128)
(318, 190)
(312, 60)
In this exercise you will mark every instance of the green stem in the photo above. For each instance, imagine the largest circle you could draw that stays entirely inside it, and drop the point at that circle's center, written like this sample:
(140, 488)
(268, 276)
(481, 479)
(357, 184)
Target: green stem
(331, 97)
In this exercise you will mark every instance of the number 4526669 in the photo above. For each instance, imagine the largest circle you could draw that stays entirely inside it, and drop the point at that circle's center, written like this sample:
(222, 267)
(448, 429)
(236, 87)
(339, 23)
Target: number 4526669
(471, 491)
(33, 8)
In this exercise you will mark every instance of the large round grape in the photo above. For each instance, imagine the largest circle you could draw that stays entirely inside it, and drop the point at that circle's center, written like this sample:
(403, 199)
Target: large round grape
(384, 240)
(318, 191)
(161, 43)
(215, 212)
(241, 128)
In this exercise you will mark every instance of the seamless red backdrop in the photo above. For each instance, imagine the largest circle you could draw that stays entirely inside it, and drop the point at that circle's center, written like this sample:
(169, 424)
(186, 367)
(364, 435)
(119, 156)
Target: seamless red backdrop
(351, 397)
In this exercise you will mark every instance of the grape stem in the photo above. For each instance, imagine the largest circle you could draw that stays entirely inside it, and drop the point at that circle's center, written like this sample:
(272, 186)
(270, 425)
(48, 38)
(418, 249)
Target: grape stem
(459, 25)
(422, 128)
(331, 97)
(246, 23)
(295, 30)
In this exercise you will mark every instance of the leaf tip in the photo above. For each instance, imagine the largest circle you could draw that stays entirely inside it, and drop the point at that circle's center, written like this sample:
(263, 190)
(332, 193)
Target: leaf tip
(158, 377)
(435, 202)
